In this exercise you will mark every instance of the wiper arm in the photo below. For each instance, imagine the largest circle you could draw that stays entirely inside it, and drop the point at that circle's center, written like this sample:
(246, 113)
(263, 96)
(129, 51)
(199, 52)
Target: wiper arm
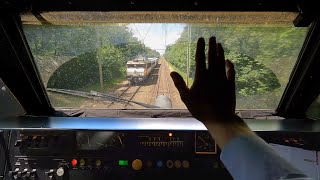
(95, 94)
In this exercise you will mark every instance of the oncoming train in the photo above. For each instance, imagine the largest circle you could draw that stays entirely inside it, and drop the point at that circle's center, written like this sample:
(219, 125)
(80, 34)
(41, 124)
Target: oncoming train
(139, 69)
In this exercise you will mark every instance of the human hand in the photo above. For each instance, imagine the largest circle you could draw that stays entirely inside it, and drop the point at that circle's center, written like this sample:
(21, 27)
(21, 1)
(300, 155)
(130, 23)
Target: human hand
(211, 97)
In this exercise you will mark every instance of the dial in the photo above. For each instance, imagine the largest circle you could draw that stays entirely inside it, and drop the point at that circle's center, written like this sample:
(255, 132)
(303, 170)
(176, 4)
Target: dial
(204, 143)
(100, 140)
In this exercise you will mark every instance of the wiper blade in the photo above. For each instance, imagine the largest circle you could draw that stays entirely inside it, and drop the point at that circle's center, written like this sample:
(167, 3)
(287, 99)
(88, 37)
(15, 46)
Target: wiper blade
(102, 96)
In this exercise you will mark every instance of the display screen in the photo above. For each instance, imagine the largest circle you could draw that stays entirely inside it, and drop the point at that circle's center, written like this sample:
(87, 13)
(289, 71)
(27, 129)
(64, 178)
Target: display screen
(95, 140)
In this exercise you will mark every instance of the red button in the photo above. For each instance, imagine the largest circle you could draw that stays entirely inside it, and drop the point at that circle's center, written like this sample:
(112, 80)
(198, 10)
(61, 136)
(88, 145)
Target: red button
(74, 162)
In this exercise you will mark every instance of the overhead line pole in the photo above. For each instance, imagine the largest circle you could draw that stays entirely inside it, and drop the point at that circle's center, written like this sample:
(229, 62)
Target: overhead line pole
(188, 54)
(99, 45)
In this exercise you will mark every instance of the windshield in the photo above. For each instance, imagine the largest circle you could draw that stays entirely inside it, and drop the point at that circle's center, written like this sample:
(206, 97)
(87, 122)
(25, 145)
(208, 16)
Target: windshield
(83, 57)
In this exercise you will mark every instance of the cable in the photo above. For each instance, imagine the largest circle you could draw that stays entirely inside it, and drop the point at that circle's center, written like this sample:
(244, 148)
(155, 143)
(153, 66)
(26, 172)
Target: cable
(147, 33)
(137, 30)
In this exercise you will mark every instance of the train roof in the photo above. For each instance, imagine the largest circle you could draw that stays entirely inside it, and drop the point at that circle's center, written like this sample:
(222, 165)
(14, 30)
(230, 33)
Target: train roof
(139, 61)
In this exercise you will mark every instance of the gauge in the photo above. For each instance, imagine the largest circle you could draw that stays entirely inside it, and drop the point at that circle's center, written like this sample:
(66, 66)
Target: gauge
(160, 140)
(204, 143)
(100, 140)
(83, 140)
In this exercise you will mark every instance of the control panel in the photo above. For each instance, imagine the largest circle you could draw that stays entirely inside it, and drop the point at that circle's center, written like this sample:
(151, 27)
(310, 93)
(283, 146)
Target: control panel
(58, 154)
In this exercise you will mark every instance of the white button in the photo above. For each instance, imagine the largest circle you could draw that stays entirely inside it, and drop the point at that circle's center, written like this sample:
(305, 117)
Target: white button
(60, 171)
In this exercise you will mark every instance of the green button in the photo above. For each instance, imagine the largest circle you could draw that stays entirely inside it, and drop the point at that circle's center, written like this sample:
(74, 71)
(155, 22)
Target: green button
(123, 163)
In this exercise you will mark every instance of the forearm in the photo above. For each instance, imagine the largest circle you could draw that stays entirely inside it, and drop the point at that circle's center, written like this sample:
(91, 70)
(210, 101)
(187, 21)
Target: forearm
(224, 131)
(240, 144)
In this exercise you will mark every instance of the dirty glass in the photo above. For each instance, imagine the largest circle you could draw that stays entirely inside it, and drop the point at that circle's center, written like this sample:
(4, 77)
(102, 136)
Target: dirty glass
(82, 56)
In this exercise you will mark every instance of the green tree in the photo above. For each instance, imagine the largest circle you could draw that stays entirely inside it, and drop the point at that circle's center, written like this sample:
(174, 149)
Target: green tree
(264, 56)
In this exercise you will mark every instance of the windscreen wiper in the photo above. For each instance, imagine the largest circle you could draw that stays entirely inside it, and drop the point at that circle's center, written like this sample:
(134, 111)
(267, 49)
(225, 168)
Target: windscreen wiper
(98, 95)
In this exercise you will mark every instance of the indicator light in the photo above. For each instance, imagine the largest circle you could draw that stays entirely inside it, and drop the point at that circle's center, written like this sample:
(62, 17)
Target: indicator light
(98, 163)
(177, 164)
(74, 162)
(185, 164)
(123, 163)
(159, 164)
(82, 162)
(170, 134)
(149, 163)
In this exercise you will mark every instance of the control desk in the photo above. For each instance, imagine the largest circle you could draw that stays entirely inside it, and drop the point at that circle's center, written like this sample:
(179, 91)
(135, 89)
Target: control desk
(52, 154)
(108, 148)
(102, 148)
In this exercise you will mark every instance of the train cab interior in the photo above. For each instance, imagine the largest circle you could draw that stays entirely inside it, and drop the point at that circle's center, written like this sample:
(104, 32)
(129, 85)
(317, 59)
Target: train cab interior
(69, 108)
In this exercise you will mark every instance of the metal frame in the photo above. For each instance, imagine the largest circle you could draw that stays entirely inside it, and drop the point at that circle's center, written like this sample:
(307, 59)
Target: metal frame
(303, 86)
(173, 5)
(17, 67)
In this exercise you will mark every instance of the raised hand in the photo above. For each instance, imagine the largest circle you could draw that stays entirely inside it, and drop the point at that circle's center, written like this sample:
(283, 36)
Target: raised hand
(211, 97)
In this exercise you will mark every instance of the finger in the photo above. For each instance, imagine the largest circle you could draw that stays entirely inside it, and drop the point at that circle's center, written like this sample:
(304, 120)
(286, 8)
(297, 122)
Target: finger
(180, 85)
(231, 83)
(219, 64)
(212, 53)
(200, 59)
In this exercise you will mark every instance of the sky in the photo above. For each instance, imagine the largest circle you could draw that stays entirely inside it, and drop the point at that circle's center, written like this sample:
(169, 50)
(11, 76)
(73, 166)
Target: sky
(153, 34)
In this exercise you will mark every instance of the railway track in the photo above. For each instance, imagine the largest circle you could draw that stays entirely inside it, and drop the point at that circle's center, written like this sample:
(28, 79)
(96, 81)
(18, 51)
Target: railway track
(131, 90)
(120, 95)
(133, 94)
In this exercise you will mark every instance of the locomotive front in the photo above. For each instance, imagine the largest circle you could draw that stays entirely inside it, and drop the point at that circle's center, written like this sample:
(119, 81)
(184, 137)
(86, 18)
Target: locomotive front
(136, 70)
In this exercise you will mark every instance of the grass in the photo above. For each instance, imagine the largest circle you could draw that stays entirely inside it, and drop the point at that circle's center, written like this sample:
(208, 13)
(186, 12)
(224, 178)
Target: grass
(107, 86)
(70, 101)
(183, 74)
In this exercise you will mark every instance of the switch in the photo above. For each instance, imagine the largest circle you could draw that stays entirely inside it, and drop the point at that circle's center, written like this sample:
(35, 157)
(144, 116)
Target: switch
(28, 174)
(14, 173)
(18, 143)
(50, 173)
(23, 173)
(33, 174)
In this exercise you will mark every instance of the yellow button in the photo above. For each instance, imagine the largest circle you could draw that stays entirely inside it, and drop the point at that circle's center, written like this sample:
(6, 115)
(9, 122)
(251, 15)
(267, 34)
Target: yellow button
(137, 164)
(98, 163)
(82, 162)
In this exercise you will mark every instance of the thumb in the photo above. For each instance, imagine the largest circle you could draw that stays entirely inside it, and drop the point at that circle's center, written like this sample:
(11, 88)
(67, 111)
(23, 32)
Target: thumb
(180, 85)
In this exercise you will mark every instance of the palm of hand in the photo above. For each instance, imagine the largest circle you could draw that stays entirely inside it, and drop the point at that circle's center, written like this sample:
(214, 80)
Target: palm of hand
(212, 95)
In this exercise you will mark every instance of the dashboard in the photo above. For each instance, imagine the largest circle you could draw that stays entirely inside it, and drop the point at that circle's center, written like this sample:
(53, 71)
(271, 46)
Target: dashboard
(66, 148)
(59, 154)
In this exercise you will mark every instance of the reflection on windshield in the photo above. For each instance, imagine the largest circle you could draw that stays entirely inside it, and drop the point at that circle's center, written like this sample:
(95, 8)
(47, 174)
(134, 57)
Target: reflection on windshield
(132, 61)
